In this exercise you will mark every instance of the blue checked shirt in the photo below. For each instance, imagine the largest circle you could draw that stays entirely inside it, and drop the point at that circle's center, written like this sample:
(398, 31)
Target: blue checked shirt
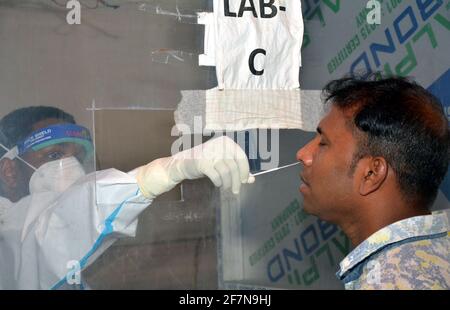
(413, 253)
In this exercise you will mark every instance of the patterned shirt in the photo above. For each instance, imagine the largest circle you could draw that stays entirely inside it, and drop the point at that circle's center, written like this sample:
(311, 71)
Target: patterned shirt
(413, 253)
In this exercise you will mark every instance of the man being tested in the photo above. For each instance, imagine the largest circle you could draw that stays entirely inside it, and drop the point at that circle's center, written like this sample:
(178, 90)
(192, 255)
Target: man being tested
(374, 169)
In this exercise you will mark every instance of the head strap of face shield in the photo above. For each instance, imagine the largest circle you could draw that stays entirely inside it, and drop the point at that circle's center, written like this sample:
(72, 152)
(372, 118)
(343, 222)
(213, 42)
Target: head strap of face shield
(14, 153)
(56, 134)
(10, 153)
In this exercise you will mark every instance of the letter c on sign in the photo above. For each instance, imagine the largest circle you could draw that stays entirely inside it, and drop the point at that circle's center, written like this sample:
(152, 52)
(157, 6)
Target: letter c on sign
(251, 61)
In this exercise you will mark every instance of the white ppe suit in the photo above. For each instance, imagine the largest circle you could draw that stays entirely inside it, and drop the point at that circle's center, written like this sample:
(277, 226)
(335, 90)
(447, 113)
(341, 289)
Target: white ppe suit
(43, 233)
(47, 237)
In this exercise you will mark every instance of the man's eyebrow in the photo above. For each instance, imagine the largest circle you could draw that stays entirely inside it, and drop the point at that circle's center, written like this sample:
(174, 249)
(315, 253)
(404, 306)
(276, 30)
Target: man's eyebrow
(320, 131)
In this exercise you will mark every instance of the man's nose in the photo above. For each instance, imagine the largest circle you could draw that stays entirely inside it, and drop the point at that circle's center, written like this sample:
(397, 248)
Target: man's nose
(304, 155)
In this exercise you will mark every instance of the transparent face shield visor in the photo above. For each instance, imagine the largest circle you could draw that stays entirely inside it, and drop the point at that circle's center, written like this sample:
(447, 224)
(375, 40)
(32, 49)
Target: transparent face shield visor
(62, 153)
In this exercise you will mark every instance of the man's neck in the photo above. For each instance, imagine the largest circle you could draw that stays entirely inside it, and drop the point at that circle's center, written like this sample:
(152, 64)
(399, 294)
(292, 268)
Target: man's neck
(365, 224)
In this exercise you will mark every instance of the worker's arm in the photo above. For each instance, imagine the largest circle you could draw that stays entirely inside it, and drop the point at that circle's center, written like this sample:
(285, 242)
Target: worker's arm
(84, 221)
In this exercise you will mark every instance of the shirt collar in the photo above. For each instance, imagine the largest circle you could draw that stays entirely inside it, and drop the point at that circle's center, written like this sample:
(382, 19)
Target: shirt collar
(418, 226)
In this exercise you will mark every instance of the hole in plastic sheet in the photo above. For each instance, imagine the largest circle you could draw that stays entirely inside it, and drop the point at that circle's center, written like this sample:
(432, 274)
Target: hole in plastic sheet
(171, 57)
(181, 15)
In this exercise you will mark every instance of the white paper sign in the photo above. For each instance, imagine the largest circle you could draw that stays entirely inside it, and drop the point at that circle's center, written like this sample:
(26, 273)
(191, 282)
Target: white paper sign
(258, 43)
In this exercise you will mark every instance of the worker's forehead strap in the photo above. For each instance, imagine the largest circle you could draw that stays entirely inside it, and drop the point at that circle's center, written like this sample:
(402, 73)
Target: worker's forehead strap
(56, 134)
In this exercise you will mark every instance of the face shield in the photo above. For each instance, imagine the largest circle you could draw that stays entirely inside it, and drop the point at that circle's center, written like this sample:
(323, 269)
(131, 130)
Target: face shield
(55, 156)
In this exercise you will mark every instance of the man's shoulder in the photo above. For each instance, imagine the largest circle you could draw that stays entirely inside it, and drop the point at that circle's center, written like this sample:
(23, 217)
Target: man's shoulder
(412, 264)
(430, 249)
(411, 252)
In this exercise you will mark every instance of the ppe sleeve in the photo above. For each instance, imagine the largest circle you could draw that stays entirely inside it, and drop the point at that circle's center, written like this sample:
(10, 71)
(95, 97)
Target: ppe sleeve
(82, 223)
(220, 159)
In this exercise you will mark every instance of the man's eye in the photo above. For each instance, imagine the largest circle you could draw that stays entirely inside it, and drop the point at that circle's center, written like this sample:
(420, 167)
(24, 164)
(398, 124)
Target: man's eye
(55, 155)
(321, 143)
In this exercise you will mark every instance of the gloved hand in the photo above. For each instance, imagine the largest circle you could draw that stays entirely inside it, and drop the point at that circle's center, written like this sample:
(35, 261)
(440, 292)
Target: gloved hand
(220, 159)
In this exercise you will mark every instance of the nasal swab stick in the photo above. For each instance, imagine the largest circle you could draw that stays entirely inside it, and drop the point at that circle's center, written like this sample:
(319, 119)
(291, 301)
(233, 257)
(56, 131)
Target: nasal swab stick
(275, 169)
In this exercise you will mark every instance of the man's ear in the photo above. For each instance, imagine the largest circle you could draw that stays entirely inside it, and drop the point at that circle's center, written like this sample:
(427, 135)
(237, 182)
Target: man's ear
(374, 174)
(8, 173)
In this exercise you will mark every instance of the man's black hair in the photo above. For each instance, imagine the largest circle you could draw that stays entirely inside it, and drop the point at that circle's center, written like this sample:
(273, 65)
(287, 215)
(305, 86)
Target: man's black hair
(397, 119)
(18, 124)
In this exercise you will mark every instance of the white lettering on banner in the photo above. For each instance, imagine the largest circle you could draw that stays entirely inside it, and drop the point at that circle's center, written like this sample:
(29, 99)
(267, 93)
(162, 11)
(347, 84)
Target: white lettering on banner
(258, 43)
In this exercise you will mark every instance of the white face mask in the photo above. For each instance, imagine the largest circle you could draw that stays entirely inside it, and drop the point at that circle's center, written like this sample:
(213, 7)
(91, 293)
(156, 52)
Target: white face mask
(56, 176)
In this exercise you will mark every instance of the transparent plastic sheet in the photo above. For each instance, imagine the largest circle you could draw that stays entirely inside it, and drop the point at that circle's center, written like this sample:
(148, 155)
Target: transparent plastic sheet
(175, 243)
(109, 57)
(114, 58)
